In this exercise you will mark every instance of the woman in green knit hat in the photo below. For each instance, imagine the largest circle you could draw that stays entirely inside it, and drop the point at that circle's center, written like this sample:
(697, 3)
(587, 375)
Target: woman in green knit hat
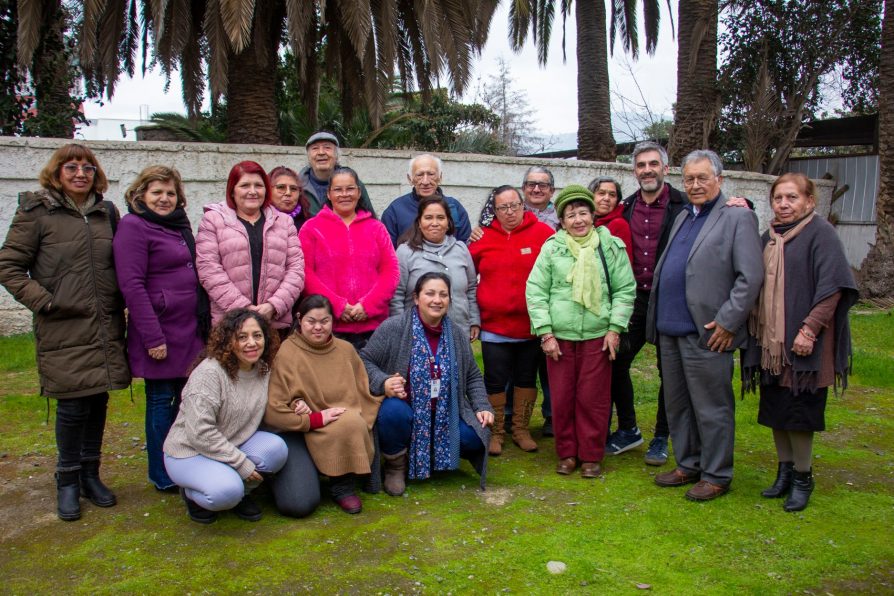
(580, 298)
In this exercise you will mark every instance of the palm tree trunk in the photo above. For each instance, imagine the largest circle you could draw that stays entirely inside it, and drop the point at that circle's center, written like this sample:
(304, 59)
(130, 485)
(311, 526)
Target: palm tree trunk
(878, 269)
(251, 87)
(52, 77)
(698, 101)
(594, 134)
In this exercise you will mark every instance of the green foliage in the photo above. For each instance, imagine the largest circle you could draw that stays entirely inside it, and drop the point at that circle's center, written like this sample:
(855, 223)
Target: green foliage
(615, 534)
(12, 81)
(210, 127)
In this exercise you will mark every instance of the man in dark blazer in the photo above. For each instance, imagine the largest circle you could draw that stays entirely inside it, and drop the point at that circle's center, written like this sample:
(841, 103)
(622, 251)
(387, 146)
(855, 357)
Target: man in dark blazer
(705, 285)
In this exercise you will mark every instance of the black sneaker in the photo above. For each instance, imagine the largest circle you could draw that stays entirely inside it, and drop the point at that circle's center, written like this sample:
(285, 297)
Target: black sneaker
(248, 510)
(657, 453)
(196, 512)
(623, 440)
(548, 427)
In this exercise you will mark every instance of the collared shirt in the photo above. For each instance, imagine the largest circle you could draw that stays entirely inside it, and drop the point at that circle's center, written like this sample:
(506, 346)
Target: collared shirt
(546, 215)
(645, 228)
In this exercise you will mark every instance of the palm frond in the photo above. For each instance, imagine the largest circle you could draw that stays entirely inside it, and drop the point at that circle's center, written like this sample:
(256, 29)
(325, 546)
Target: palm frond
(236, 17)
(31, 17)
(218, 47)
(356, 23)
(93, 13)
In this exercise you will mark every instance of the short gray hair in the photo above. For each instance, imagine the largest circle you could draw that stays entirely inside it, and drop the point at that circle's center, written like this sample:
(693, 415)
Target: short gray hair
(539, 170)
(699, 155)
(438, 163)
(649, 146)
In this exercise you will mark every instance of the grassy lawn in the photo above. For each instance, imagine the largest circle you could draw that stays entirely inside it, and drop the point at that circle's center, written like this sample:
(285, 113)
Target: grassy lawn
(617, 534)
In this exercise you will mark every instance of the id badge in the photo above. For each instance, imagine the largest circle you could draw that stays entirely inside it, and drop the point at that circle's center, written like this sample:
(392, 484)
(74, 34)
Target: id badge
(435, 388)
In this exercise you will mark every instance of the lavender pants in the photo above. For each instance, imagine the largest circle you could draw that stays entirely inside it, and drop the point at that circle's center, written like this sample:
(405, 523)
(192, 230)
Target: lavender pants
(216, 486)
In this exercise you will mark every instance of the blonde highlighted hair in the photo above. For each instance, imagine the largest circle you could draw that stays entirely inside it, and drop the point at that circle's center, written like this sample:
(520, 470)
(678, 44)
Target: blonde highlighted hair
(138, 187)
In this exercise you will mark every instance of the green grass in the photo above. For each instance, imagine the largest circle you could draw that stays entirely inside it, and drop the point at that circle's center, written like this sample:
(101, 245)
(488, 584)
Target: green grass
(445, 536)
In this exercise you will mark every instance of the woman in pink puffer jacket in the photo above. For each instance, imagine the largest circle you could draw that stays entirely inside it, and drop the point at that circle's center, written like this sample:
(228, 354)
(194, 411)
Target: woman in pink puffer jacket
(247, 253)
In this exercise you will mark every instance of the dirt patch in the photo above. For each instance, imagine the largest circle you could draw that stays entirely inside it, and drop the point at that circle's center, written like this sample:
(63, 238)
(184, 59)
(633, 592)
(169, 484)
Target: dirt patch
(496, 497)
(28, 495)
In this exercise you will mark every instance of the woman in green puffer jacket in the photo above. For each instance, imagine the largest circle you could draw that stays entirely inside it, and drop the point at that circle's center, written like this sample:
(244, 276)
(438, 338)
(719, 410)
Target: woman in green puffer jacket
(580, 298)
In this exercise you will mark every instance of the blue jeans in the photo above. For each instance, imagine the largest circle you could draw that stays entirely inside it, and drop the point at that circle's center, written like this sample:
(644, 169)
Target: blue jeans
(395, 425)
(162, 405)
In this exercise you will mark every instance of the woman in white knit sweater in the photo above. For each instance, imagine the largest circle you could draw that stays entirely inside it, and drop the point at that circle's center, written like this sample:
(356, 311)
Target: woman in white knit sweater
(214, 450)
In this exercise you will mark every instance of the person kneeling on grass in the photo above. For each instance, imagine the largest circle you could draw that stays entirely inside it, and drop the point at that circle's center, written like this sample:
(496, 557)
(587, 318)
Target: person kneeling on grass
(319, 393)
(214, 450)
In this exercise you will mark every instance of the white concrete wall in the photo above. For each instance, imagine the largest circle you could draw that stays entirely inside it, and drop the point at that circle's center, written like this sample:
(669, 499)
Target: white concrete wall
(204, 168)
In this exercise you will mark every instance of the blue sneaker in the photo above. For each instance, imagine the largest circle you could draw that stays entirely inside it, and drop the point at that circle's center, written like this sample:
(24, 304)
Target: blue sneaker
(623, 440)
(657, 453)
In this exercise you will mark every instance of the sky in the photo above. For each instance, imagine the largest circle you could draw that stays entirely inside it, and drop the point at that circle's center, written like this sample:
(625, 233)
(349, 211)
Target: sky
(551, 91)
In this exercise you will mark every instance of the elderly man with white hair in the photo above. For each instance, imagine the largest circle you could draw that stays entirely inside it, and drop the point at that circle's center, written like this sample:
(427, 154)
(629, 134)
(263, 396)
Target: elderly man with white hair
(424, 173)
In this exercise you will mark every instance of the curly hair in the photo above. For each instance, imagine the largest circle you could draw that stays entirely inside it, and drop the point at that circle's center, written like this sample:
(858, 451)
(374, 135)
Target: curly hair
(137, 190)
(223, 338)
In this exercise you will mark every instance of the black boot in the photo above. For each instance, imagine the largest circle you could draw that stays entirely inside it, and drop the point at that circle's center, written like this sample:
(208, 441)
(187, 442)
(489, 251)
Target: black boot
(802, 486)
(93, 488)
(782, 483)
(68, 505)
(196, 512)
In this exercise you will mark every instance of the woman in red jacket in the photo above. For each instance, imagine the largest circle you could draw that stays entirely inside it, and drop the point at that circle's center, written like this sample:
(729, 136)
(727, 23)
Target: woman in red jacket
(609, 211)
(503, 258)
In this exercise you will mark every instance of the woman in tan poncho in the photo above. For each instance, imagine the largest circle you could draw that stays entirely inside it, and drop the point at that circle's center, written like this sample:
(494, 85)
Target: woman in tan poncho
(319, 388)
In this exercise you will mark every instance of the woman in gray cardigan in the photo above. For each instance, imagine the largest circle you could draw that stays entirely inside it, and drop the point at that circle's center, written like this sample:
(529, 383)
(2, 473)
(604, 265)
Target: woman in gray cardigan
(435, 408)
(430, 245)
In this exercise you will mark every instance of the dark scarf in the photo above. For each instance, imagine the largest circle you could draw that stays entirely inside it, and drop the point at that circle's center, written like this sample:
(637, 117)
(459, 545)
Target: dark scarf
(177, 220)
(815, 269)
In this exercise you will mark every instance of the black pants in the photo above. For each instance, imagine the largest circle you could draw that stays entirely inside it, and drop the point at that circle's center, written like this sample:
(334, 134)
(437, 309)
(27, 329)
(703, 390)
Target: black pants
(80, 425)
(622, 386)
(296, 487)
(514, 362)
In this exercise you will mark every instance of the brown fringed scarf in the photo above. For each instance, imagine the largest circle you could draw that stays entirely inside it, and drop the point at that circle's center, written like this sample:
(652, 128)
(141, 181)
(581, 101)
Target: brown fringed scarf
(767, 320)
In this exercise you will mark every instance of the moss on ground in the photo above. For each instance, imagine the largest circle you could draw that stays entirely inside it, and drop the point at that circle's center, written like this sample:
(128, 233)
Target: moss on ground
(614, 534)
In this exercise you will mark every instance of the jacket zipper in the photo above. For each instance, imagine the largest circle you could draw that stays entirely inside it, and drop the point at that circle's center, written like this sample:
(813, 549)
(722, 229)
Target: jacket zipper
(102, 327)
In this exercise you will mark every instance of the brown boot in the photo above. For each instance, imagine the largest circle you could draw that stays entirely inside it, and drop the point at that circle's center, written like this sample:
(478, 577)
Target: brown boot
(395, 473)
(522, 406)
(497, 431)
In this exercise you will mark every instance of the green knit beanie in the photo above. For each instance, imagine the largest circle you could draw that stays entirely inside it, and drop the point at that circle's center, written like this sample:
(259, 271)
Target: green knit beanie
(574, 192)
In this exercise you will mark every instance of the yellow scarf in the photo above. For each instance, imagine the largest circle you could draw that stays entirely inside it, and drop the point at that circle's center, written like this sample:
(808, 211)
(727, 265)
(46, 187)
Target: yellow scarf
(586, 286)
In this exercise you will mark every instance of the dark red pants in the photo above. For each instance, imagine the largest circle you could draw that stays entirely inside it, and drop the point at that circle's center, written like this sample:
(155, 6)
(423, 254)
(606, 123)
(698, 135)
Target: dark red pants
(580, 383)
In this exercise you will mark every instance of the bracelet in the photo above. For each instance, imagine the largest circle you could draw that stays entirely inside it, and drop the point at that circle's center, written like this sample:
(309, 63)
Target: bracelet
(809, 336)
(546, 338)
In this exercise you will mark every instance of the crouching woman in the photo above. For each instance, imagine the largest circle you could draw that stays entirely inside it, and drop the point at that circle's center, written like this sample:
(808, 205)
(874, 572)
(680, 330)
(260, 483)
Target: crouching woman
(214, 450)
(319, 394)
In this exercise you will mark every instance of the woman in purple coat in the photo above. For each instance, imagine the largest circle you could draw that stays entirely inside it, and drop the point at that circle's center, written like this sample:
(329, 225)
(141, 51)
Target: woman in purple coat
(168, 320)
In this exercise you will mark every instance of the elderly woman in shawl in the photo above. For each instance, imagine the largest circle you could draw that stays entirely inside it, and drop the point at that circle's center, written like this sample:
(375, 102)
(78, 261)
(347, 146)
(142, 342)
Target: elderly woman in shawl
(801, 337)
(580, 297)
(435, 408)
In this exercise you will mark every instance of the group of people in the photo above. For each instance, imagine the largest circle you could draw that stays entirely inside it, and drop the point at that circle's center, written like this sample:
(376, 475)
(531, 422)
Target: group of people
(297, 335)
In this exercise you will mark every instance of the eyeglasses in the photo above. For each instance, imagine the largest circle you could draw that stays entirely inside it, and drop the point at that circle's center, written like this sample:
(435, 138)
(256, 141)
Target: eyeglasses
(289, 188)
(538, 185)
(509, 208)
(700, 180)
(72, 169)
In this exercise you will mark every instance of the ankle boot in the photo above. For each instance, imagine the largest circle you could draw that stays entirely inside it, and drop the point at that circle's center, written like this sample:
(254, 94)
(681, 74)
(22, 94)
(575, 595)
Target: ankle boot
(197, 513)
(68, 505)
(802, 486)
(395, 473)
(782, 483)
(93, 488)
(522, 408)
(497, 430)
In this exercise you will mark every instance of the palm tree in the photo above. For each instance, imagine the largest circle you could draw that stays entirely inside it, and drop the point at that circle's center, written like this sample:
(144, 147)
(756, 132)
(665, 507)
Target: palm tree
(878, 269)
(698, 99)
(361, 42)
(595, 140)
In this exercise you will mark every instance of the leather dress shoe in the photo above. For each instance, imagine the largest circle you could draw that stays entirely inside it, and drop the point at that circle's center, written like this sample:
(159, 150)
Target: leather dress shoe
(676, 477)
(350, 504)
(706, 491)
(566, 466)
(590, 469)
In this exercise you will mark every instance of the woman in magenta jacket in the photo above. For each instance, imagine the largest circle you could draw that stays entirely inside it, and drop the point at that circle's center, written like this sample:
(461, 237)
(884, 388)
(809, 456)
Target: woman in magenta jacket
(168, 315)
(350, 260)
(503, 257)
(248, 254)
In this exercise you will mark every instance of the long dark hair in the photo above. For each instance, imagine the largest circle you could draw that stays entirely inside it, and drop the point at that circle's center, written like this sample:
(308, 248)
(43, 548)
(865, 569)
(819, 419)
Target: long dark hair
(413, 236)
(220, 343)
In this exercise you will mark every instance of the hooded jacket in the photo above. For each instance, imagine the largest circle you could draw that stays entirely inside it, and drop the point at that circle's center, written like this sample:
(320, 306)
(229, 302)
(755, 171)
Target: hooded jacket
(58, 263)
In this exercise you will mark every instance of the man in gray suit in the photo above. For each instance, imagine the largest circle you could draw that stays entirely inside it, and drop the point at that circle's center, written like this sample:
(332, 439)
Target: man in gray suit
(704, 287)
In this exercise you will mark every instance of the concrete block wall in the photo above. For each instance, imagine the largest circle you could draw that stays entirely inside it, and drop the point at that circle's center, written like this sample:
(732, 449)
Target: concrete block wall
(205, 167)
